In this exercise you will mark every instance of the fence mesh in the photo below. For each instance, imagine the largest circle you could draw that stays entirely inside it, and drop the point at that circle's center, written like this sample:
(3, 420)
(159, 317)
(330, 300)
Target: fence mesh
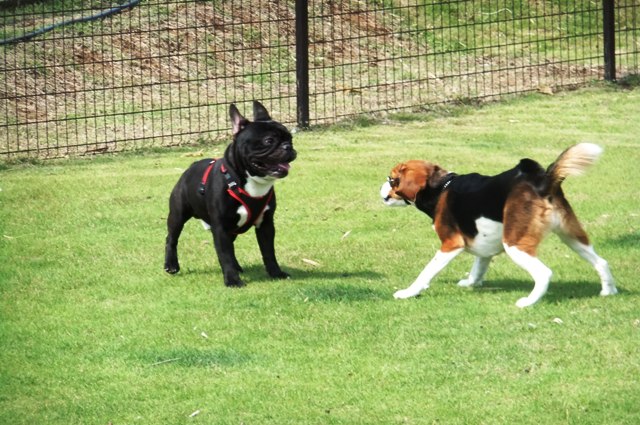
(85, 77)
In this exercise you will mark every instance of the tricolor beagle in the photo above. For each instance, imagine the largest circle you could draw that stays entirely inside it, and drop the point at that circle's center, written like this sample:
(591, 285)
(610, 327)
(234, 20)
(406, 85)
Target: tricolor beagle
(485, 215)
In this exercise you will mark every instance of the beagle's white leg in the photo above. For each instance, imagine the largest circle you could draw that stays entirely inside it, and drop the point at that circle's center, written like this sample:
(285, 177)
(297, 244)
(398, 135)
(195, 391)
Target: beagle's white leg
(600, 264)
(439, 261)
(540, 273)
(479, 268)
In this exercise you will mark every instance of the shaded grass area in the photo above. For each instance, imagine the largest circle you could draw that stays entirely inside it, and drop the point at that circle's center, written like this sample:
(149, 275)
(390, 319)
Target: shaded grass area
(93, 331)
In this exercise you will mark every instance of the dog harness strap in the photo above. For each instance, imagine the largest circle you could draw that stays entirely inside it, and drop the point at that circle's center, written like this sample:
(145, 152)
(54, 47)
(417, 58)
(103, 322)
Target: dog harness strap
(205, 177)
(231, 181)
(255, 206)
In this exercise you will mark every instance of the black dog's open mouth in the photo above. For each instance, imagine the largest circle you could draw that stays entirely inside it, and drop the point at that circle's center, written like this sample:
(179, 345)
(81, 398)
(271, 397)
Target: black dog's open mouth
(275, 170)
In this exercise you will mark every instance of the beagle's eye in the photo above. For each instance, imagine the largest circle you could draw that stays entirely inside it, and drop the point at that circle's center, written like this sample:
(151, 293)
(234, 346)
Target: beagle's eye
(393, 182)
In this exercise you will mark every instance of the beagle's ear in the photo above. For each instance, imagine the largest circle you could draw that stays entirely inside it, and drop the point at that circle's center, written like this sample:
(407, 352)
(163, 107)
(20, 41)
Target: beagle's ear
(413, 178)
(436, 176)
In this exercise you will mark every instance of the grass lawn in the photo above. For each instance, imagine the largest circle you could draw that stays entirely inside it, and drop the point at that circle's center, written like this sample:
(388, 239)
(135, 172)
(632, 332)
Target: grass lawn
(92, 331)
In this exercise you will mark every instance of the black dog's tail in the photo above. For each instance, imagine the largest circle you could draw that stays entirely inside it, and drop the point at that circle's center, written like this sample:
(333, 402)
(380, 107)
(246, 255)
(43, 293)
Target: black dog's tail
(574, 161)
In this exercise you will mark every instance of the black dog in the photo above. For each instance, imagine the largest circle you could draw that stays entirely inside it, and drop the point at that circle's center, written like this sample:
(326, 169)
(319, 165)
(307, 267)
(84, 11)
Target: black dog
(234, 193)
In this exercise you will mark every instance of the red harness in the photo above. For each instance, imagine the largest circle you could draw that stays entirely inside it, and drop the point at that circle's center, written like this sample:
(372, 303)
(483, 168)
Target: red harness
(255, 206)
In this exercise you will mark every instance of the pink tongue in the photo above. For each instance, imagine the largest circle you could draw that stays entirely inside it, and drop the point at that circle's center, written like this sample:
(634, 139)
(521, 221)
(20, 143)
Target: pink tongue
(284, 166)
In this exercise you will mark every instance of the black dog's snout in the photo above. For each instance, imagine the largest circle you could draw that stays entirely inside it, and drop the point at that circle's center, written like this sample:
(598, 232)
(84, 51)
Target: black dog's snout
(289, 151)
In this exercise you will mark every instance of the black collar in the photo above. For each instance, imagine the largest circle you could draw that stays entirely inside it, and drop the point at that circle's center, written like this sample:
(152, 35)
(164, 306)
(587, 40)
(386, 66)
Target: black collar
(427, 199)
(448, 179)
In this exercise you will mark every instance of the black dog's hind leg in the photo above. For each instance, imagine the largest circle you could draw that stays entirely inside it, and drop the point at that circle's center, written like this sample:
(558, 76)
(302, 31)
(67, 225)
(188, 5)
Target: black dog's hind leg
(266, 234)
(175, 225)
(179, 213)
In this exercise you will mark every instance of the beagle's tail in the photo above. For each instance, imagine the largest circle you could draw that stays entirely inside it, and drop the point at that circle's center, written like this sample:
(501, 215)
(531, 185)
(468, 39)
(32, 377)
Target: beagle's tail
(574, 161)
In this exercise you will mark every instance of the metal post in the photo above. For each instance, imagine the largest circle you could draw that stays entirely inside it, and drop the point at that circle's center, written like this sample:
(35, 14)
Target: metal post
(302, 62)
(609, 32)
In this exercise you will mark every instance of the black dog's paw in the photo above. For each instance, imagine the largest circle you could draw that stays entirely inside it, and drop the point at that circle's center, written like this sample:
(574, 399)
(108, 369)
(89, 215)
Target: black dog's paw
(171, 269)
(233, 282)
(280, 275)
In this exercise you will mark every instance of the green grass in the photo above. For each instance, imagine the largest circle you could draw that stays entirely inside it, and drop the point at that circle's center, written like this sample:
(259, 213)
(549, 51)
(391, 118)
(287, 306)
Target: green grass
(93, 331)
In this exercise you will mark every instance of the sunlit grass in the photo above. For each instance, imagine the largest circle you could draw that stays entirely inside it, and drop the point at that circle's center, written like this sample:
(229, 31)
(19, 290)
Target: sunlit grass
(93, 331)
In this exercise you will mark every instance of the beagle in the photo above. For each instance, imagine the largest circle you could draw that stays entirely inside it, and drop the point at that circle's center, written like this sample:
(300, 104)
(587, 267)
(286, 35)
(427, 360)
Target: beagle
(485, 215)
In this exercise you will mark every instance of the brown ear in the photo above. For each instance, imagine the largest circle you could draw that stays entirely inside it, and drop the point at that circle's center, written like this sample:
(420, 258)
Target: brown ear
(436, 176)
(413, 178)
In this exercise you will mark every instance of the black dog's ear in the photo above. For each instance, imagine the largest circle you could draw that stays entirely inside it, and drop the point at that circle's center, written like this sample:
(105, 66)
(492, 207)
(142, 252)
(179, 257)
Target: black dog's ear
(260, 112)
(238, 122)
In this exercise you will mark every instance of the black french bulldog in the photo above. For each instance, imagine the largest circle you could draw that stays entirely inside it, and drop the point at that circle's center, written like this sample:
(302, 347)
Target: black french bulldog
(233, 193)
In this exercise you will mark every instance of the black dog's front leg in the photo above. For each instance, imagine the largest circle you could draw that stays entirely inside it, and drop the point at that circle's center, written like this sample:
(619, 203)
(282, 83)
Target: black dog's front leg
(225, 250)
(266, 234)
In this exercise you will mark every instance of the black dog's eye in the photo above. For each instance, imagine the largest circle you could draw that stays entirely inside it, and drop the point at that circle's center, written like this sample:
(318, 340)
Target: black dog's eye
(393, 182)
(268, 141)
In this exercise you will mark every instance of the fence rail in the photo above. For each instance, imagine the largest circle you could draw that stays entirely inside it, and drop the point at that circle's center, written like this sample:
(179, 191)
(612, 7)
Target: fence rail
(85, 77)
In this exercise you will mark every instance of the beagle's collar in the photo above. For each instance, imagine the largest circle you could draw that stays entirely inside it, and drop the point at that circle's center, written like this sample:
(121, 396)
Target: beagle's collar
(449, 178)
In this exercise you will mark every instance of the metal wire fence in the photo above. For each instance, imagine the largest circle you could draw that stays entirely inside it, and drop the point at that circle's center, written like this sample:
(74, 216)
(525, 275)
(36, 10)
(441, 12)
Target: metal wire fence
(86, 77)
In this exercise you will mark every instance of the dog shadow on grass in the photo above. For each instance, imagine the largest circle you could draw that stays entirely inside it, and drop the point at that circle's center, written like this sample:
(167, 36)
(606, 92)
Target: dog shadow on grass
(332, 286)
(312, 284)
(558, 290)
(626, 241)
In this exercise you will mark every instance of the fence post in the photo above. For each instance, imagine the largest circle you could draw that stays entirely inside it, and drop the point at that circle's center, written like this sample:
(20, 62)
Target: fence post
(609, 32)
(302, 62)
